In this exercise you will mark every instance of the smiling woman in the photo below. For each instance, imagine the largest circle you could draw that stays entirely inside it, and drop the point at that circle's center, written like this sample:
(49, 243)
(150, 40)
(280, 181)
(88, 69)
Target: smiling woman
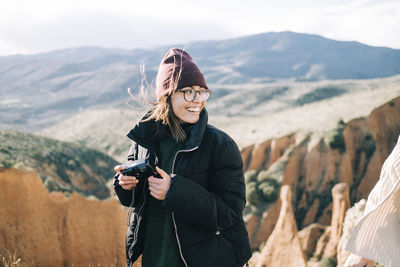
(191, 214)
(187, 108)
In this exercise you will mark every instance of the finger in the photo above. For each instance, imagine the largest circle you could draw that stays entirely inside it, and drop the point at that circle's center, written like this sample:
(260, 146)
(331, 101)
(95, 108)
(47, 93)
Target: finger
(155, 187)
(128, 182)
(127, 187)
(162, 173)
(155, 192)
(154, 180)
(154, 195)
(118, 168)
(128, 178)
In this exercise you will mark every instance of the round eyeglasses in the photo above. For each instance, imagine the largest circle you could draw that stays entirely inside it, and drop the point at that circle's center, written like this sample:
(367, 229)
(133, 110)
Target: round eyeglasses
(190, 94)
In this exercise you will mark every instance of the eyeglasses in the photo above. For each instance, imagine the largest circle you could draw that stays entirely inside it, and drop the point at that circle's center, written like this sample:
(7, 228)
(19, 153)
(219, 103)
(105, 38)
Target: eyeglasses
(190, 94)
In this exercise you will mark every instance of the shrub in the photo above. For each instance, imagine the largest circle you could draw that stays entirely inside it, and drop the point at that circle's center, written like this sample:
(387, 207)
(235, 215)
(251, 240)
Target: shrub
(336, 140)
(258, 193)
(262, 175)
(269, 189)
(327, 262)
(319, 94)
(250, 176)
(253, 196)
(341, 123)
(51, 185)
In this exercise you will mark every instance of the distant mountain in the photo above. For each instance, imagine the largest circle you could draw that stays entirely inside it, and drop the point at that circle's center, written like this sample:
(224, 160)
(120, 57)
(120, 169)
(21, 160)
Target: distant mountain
(38, 90)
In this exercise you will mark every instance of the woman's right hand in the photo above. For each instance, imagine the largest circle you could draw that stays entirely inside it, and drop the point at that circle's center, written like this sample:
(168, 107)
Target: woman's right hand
(126, 182)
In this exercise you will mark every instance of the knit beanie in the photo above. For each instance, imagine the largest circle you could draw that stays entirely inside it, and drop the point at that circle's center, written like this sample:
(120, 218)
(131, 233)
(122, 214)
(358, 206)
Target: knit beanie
(174, 61)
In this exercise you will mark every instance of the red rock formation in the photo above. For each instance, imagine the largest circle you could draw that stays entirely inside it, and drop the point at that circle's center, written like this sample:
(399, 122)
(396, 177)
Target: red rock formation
(313, 166)
(309, 237)
(265, 225)
(283, 247)
(246, 156)
(260, 155)
(52, 230)
(278, 147)
(341, 203)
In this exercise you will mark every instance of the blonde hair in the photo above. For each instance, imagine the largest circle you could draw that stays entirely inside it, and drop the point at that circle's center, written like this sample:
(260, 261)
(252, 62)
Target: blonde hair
(162, 109)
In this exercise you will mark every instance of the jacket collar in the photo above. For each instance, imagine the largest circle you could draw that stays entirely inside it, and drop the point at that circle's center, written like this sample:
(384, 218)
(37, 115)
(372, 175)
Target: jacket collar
(147, 134)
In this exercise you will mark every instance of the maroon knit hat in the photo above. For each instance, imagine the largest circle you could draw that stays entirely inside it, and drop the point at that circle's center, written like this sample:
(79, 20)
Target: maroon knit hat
(170, 66)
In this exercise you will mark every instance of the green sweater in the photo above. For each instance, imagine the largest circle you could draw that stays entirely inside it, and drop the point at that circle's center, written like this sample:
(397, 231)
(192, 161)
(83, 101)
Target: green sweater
(160, 244)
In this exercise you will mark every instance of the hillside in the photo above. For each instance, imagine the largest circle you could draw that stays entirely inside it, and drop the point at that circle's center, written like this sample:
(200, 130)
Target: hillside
(62, 166)
(40, 90)
(246, 114)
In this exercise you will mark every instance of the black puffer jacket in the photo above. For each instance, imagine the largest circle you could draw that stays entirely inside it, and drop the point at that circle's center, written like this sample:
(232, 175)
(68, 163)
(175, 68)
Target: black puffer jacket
(206, 197)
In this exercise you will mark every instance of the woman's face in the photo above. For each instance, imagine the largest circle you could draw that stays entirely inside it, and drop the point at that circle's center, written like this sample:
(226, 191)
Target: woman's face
(185, 111)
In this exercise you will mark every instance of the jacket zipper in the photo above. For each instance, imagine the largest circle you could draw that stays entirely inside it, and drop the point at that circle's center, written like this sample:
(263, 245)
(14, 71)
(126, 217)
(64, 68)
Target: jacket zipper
(173, 217)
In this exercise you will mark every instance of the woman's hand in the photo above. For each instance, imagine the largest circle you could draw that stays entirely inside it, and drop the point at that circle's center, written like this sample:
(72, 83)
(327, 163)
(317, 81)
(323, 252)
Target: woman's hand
(159, 187)
(357, 261)
(126, 182)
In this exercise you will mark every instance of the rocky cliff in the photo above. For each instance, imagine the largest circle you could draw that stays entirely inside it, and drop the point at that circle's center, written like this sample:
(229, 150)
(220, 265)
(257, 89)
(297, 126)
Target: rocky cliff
(49, 229)
(311, 164)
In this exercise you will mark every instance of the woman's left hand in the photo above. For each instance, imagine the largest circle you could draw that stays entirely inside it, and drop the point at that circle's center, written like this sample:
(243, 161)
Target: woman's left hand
(159, 186)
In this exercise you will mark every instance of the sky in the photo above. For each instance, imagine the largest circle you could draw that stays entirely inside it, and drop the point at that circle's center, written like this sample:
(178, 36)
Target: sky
(29, 27)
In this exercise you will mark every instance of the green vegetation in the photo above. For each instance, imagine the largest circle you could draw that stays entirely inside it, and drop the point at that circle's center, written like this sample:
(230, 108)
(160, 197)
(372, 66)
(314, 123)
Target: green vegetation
(368, 145)
(250, 176)
(260, 191)
(335, 138)
(327, 262)
(58, 163)
(319, 94)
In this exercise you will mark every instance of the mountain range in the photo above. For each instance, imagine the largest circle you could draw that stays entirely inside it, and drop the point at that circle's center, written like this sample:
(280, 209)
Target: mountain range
(40, 90)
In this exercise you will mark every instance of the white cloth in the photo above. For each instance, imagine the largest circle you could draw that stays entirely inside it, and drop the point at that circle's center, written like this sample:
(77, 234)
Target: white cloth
(377, 235)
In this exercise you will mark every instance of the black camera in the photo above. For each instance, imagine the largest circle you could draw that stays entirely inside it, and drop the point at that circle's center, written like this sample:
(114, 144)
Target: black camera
(141, 168)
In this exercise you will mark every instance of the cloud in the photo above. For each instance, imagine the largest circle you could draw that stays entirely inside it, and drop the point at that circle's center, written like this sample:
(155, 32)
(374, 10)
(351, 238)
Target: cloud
(371, 22)
(106, 30)
(43, 25)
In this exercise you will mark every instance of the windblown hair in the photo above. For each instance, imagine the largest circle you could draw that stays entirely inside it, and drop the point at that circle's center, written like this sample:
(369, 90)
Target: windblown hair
(162, 109)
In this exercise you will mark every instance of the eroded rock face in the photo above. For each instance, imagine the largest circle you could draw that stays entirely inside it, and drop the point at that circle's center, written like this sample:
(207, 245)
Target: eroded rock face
(260, 232)
(52, 230)
(309, 237)
(314, 164)
(283, 247)
(341, 204)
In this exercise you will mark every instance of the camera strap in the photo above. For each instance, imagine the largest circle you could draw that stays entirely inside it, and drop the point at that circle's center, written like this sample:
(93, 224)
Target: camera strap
(130, 211)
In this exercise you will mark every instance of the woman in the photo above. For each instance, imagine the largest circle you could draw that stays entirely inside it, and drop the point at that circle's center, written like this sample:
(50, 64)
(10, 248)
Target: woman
(192, 216)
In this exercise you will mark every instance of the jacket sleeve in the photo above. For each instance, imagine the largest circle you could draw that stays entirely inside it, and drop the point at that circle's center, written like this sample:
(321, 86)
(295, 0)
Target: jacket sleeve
(219, 207)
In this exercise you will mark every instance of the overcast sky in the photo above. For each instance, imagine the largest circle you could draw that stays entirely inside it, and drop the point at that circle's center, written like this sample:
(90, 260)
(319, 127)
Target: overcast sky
(32, 26)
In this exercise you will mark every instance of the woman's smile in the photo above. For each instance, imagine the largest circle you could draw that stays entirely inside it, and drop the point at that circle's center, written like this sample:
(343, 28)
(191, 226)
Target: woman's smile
(187, 112)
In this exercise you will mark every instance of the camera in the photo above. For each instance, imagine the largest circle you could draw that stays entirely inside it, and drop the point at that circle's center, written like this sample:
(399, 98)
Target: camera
(141, 168)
